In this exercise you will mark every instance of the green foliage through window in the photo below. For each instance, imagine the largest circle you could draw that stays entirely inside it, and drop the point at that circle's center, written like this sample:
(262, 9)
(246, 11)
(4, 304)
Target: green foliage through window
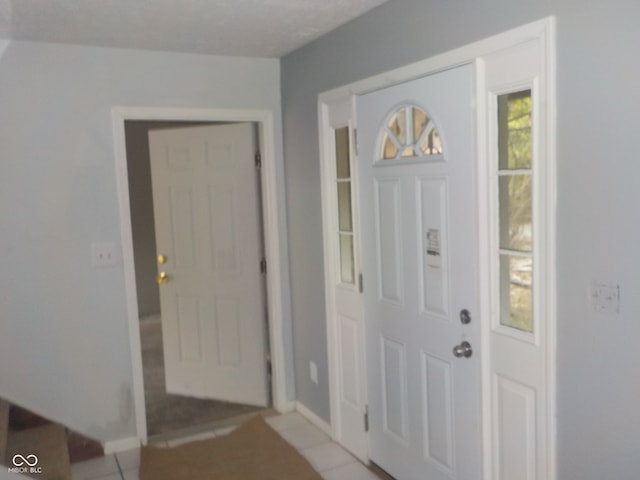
(515, 184)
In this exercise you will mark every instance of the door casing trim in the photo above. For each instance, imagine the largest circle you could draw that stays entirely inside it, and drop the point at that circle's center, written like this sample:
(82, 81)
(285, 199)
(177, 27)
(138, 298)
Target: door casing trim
(273, 210)
(542, 31)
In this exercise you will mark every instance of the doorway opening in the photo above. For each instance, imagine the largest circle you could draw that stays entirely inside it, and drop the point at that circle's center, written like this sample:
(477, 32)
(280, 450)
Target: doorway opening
(278, 334)
(165, 412)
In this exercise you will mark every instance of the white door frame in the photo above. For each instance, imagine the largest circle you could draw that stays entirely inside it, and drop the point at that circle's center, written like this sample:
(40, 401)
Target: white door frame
(543, 33)
(274, 217)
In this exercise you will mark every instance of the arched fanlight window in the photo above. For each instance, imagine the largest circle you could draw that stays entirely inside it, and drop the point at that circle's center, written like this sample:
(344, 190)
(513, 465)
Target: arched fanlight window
(409, 132)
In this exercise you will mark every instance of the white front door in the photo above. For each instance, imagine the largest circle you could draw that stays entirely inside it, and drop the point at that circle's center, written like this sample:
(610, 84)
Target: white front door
(419, 254)
(209, 241)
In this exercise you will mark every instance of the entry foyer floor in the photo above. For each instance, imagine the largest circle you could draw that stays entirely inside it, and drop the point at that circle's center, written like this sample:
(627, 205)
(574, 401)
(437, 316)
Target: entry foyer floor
(327, 457)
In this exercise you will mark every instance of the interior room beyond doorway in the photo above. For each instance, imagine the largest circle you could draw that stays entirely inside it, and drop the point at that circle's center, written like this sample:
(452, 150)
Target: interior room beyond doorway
(164, 412)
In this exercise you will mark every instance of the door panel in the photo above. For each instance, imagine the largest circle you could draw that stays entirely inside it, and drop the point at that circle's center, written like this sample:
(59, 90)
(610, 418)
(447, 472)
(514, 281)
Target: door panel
(437, 410)
(394, 388)
(418, 222)
(432, 214)
(389, 233)
(206, 210)
(345, 317)
(516, 433)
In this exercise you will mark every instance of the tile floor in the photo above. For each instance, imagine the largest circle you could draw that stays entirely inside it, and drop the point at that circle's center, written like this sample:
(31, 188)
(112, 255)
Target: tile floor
(327, 457)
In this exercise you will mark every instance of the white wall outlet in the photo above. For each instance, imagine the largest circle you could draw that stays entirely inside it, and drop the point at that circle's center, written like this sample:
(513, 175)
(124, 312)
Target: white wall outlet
(605, 297)
(313, 372)
(104, 255)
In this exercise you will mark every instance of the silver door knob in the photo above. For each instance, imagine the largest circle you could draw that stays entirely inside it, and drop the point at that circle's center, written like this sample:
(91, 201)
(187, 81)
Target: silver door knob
(463, 350)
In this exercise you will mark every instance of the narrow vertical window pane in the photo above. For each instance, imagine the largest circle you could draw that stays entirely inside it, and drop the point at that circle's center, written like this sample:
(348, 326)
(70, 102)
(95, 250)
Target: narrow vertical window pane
(514, 130)
(515, 152)
(345, 223)
(347, 274)
(420, 121)
(516, 295)
(515, 212)
(389, 149)
(342, 152)
(398, 126)
(344, 206)
(431, 144)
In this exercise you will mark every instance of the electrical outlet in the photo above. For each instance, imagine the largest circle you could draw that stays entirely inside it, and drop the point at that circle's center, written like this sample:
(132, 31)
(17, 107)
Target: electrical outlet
(104, 255)
(605, 297)
(313, 372)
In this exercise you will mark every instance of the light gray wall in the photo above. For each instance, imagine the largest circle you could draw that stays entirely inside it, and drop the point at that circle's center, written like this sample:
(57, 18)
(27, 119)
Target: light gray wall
(598, 172)
(64, 341)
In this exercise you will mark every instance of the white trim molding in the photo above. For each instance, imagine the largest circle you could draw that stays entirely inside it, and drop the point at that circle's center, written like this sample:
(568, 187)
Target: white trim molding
(274, 214)
(542, 34)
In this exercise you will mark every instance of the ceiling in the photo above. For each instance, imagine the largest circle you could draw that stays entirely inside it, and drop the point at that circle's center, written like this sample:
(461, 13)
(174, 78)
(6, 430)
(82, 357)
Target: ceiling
(254, 28)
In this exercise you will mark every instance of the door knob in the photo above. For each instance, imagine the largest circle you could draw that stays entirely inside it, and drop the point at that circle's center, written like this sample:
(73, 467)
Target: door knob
(463, 350)
(162, 278)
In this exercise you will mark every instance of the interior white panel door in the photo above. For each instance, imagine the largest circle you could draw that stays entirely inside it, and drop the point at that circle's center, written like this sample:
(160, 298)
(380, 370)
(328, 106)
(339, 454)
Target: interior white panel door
(419, 258)
(206, 210)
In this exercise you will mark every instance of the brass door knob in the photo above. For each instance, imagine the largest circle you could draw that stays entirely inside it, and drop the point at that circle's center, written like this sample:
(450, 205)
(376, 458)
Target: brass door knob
(162, 278)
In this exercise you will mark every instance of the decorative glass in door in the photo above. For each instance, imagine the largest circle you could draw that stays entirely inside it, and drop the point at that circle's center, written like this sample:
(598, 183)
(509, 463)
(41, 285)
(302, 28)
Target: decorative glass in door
(409, 132)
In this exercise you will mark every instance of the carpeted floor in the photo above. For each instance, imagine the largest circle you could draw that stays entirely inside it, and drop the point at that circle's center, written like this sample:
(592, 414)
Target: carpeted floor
(166, 412)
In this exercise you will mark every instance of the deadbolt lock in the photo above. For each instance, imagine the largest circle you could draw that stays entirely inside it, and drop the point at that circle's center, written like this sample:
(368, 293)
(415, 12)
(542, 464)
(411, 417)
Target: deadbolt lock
(162, 259)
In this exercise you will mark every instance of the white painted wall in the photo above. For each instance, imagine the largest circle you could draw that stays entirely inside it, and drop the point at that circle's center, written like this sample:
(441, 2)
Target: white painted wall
(598, 172)
(64, 345)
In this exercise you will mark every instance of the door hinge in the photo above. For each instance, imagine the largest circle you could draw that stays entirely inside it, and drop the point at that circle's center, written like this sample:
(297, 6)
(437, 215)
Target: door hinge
(258, 159)
(366, 418)
(269, 367)
(263, 265)
(355, 140)
(360, 283)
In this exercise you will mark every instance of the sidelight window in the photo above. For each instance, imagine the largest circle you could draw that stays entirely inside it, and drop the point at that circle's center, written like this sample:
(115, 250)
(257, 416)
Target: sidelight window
(345, 211)
(515, 184)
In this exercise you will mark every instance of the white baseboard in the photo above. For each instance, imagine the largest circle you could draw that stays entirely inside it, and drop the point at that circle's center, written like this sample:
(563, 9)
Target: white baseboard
(285, 407)
(313, 418)
(122, 445)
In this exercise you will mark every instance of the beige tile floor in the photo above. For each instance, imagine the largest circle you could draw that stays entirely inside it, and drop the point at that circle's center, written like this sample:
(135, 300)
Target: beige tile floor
(327, 457)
